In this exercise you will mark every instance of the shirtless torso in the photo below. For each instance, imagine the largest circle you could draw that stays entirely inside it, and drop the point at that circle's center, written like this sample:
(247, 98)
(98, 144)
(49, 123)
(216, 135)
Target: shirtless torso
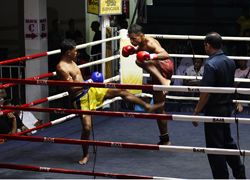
(151, 45)
(67, 70)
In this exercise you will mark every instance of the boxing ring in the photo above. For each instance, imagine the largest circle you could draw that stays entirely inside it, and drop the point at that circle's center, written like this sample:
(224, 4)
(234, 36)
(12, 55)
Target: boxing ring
(124, 142)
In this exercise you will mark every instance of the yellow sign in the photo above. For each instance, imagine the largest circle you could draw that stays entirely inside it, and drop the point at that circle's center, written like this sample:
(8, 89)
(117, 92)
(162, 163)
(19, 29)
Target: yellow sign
(93, 6)
(109, 7)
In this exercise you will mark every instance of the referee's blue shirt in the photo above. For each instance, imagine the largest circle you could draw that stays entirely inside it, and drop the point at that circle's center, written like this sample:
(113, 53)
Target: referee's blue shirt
(219, 72)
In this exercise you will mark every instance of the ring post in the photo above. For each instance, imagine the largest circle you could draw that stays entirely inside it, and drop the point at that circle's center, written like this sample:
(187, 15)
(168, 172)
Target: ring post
(130, 72)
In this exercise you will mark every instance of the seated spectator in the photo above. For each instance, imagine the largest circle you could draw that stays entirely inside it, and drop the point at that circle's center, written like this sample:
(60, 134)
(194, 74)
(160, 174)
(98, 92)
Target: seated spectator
(72, 33)
(27, 118)
(195, 70)
(242, 72)
(3, 95)
(179, 71)
(186, 62)
(9, 123)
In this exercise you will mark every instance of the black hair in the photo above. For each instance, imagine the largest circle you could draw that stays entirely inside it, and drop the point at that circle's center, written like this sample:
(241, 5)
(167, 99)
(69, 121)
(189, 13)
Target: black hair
(214, 40)
(55, 21)
(67, 44)
(245, 31)
(124, 24)
(198, 58)
(12, 102)
(95, 23)
(136, 29)
(7, 103)
(71, 21)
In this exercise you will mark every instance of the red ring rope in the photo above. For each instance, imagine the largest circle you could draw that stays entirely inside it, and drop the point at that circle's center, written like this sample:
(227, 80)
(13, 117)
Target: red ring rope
(100, 113)
(57, 170)
(128, 145)
(65, 83)
(80, 142)
(11, 61)
(35, 78)
(25, 105)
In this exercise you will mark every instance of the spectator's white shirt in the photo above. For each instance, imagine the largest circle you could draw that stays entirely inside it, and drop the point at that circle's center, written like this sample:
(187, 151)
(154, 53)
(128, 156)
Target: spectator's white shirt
(28, 120)
(179, 71)
(241, 73)
(190, 71)
(248, 63)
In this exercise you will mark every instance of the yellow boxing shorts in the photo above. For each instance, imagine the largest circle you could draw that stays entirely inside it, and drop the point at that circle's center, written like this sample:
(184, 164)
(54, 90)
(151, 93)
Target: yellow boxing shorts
(89, 99)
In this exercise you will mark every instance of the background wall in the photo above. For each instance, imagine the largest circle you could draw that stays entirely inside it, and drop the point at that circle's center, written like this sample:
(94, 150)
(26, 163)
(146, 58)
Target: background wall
(11, 29)
(12, 23)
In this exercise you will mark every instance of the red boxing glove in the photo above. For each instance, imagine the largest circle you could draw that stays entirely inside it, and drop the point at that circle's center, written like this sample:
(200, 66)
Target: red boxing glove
(144, 55)
(128, 50)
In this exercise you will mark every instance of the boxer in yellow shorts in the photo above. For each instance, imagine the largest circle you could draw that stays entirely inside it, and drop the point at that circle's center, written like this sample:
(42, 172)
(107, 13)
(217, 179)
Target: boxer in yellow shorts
(89, 99)
(67, 70)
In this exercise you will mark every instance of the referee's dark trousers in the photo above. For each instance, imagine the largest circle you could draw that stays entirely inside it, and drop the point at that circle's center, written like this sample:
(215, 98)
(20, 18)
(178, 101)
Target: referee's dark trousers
(218, 135)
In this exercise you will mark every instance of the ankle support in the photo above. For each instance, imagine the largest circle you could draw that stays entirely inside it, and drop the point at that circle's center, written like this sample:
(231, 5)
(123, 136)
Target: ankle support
(163, 138)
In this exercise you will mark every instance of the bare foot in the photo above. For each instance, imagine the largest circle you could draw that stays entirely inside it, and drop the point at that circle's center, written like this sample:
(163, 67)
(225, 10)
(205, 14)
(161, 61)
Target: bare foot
(167, 143)
(166, 82)
(84, 160)
(150, 108)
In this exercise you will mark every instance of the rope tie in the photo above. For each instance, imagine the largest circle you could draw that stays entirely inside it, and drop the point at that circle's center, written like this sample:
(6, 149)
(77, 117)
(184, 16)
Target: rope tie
(242, 153)
(190, 42)
(94, 145)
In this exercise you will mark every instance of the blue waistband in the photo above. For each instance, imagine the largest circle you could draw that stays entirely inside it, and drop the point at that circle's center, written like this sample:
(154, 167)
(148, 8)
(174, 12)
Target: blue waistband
(80, 94)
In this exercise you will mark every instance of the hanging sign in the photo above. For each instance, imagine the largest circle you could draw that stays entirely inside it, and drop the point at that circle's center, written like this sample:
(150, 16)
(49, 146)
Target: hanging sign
(109, 7)
(93, 6)
(104, 7)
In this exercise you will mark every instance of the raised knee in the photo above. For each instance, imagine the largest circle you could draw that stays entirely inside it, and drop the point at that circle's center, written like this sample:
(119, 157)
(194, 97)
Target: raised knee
(138, 63)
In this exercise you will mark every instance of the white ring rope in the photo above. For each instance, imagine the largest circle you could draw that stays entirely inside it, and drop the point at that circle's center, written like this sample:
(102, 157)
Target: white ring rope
(227, 90)
(60, 120)
(210, 119)
(61, 95)
(199, 78)
(81, 46)
(205, 56)
(99, 61)
(204, 150)
(95, 62)
(184, 98)
(160, 36)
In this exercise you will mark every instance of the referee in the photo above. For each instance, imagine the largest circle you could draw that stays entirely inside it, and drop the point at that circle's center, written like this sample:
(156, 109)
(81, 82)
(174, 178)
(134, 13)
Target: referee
(218, 72)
